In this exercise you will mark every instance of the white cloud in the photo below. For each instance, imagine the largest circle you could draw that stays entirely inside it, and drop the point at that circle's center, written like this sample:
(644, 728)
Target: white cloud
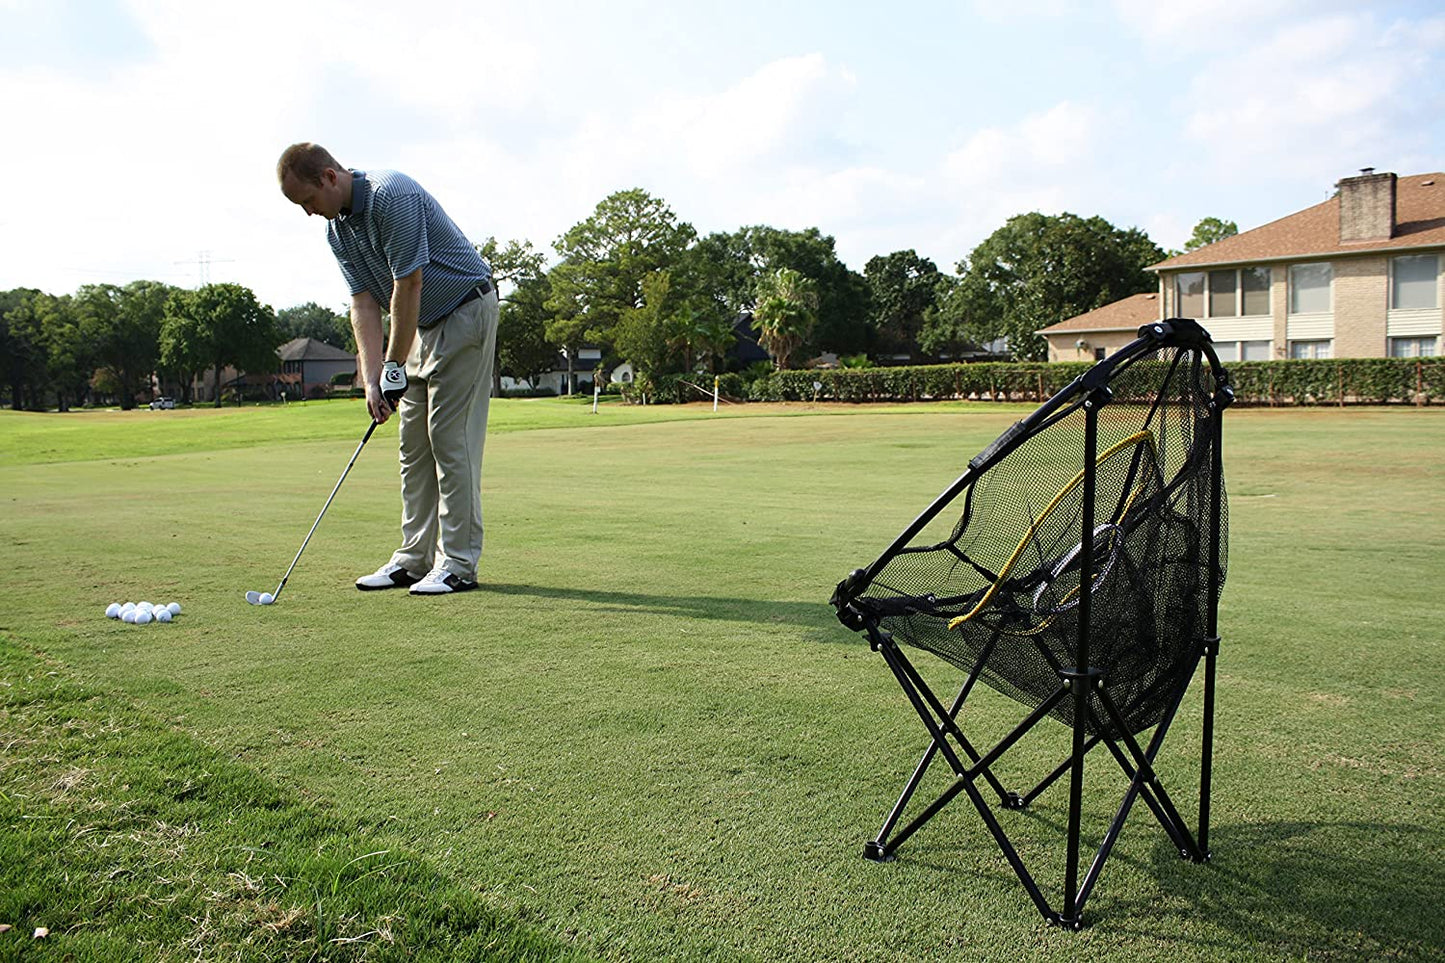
(1324, 95)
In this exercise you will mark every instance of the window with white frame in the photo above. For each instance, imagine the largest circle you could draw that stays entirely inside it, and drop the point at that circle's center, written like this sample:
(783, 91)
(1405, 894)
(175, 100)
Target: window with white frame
(1413, 347)
(1300, 350)
(1309, 288)
(1414, 281)
(1254, 290)
(1226, 293)
(1189, 294)
(1242, 350)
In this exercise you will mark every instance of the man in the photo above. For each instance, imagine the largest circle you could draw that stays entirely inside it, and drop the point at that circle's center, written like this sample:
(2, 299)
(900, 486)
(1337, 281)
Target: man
(397, 247)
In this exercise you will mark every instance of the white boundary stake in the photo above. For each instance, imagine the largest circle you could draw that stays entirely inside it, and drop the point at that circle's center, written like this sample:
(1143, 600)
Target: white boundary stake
(715, 381)
(596, 390)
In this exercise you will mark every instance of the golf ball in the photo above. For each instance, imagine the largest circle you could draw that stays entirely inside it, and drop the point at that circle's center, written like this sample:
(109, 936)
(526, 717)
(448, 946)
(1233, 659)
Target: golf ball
(267, 598)
(163, 615)
(174, 608)
(146, 607)
(112, 611)
(142, 617)
(128, 607)
(128, 616)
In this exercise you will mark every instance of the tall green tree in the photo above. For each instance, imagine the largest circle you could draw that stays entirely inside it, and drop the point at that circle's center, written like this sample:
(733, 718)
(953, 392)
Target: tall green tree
(629, 235)
(786, 312)
(20, 351)
(903, 289)
(311, 320)
(1209, 230)
(1040, 269)
(841, 320)
(216, 326)
(648, 335)
(123, 326)
(69, 354)
(523, 351)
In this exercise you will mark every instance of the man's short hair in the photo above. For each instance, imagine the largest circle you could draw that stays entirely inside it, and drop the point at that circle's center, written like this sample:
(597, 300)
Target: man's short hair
(306, 161)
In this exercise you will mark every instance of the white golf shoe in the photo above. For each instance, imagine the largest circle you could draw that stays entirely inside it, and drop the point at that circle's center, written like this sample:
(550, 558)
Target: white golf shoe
(390, 575)
(441, 582)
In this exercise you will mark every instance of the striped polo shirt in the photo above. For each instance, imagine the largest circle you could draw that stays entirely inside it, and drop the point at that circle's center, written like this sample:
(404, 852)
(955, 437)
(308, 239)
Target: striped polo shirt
(393, 227)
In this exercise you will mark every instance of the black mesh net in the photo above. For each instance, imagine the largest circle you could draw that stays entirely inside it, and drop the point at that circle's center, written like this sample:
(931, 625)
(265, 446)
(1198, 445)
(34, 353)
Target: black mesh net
(1008, 574)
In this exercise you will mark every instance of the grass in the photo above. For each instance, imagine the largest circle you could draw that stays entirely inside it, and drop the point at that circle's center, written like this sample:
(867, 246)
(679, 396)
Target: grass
(647, 737)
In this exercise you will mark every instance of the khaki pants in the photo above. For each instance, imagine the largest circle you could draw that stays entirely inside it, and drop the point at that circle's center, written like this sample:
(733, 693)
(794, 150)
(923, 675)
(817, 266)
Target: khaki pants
(443, 429)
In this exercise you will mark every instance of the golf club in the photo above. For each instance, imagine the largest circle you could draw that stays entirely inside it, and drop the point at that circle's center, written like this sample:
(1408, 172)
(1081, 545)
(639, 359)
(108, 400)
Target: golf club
(266, 598)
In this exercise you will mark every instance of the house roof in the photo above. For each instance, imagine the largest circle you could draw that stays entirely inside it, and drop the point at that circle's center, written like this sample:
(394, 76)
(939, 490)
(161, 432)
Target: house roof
(309, 349)
(1315, 231)
(1127, 315)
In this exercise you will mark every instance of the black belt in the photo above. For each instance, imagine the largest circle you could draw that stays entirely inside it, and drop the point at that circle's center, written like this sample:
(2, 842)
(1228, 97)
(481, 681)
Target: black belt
(481, 289)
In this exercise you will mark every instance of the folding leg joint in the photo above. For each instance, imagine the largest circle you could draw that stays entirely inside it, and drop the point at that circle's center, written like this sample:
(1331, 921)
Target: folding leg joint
(1093, 678)
(1071, 923)
(875, 850)
(1012, 800)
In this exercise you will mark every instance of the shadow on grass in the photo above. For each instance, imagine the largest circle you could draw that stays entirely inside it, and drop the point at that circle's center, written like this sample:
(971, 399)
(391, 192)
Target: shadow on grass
(815, 617)
(1343, 890)
(1325, 890)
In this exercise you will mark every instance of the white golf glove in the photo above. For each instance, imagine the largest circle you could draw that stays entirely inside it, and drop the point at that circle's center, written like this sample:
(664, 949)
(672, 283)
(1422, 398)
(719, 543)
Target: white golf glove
(393, 382)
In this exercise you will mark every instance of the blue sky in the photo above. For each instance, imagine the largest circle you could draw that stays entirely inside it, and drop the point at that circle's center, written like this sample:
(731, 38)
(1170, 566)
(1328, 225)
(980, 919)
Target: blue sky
(142, 134)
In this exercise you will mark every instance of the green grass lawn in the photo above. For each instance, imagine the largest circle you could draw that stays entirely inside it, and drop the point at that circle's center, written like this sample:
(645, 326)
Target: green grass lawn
(647, 737)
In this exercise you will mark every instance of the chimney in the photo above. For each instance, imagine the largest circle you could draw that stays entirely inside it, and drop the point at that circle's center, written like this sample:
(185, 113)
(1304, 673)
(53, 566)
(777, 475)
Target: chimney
(1367, 206)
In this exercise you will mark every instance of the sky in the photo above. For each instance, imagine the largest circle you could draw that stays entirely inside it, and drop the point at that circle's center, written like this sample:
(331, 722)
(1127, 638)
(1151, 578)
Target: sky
(140, 137)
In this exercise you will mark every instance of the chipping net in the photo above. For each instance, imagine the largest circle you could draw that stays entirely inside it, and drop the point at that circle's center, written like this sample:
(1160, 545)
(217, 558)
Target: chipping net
(1008, 575)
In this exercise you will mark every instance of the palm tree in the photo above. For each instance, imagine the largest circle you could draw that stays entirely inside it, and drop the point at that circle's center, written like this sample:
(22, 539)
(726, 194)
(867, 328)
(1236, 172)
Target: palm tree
(786, 311)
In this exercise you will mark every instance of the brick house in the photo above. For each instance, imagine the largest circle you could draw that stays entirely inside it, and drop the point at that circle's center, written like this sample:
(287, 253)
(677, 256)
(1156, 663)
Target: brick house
(1358, 276)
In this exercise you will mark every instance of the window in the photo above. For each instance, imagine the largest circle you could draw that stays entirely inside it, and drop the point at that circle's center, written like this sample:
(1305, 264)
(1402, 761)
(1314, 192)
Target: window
(1412, 347)
(1227, 294)
(1221, 294)
(1309, 349)
(1189, 294)
(1242, 350)
(1255, 283)
(1413, 281)
(1309, 288)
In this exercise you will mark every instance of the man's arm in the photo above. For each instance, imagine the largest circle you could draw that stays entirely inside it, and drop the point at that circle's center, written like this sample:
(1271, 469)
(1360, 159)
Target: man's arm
(366, 325)
(405, 309)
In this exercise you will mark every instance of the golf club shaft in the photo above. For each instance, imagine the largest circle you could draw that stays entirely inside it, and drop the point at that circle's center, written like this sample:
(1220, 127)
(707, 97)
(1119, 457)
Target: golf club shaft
(364, 439)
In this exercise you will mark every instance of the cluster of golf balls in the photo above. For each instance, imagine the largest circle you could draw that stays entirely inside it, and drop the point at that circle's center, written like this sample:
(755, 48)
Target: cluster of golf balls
(142, 613)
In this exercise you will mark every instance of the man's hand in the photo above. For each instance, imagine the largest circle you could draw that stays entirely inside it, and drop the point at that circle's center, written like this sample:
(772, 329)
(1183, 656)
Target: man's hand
(393, 382)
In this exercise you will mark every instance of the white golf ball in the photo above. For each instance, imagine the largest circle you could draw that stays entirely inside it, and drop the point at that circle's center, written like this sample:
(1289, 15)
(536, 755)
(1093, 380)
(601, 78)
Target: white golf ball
(141, 618)
(146, 607)
(128, 616)
(163, 615)
(174, 608)
(128, 607)
(267, 598)
(112, 611)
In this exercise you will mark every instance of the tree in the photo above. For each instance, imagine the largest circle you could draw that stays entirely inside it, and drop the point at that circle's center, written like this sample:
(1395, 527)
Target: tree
(523, 351)
(1038, 270)
(19, 347)
(647, 336)
(123, 327)
(841, 312)
(630, 235)
(219, 325)
(1209, 230)
(904, 289)
(311, 320)
(515, 264)
(786, 312)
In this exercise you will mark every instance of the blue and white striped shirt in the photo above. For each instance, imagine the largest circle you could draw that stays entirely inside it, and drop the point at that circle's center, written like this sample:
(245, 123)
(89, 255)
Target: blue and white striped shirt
(393, 227)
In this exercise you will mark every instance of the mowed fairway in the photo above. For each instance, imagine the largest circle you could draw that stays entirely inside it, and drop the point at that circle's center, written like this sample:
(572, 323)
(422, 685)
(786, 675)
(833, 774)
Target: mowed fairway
(647, 736)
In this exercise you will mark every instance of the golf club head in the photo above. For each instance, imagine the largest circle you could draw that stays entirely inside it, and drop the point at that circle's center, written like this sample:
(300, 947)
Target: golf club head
(260, 598)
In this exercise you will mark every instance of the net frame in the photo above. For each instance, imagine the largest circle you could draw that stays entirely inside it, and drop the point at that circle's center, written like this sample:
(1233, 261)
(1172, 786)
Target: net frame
(1101, 633)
